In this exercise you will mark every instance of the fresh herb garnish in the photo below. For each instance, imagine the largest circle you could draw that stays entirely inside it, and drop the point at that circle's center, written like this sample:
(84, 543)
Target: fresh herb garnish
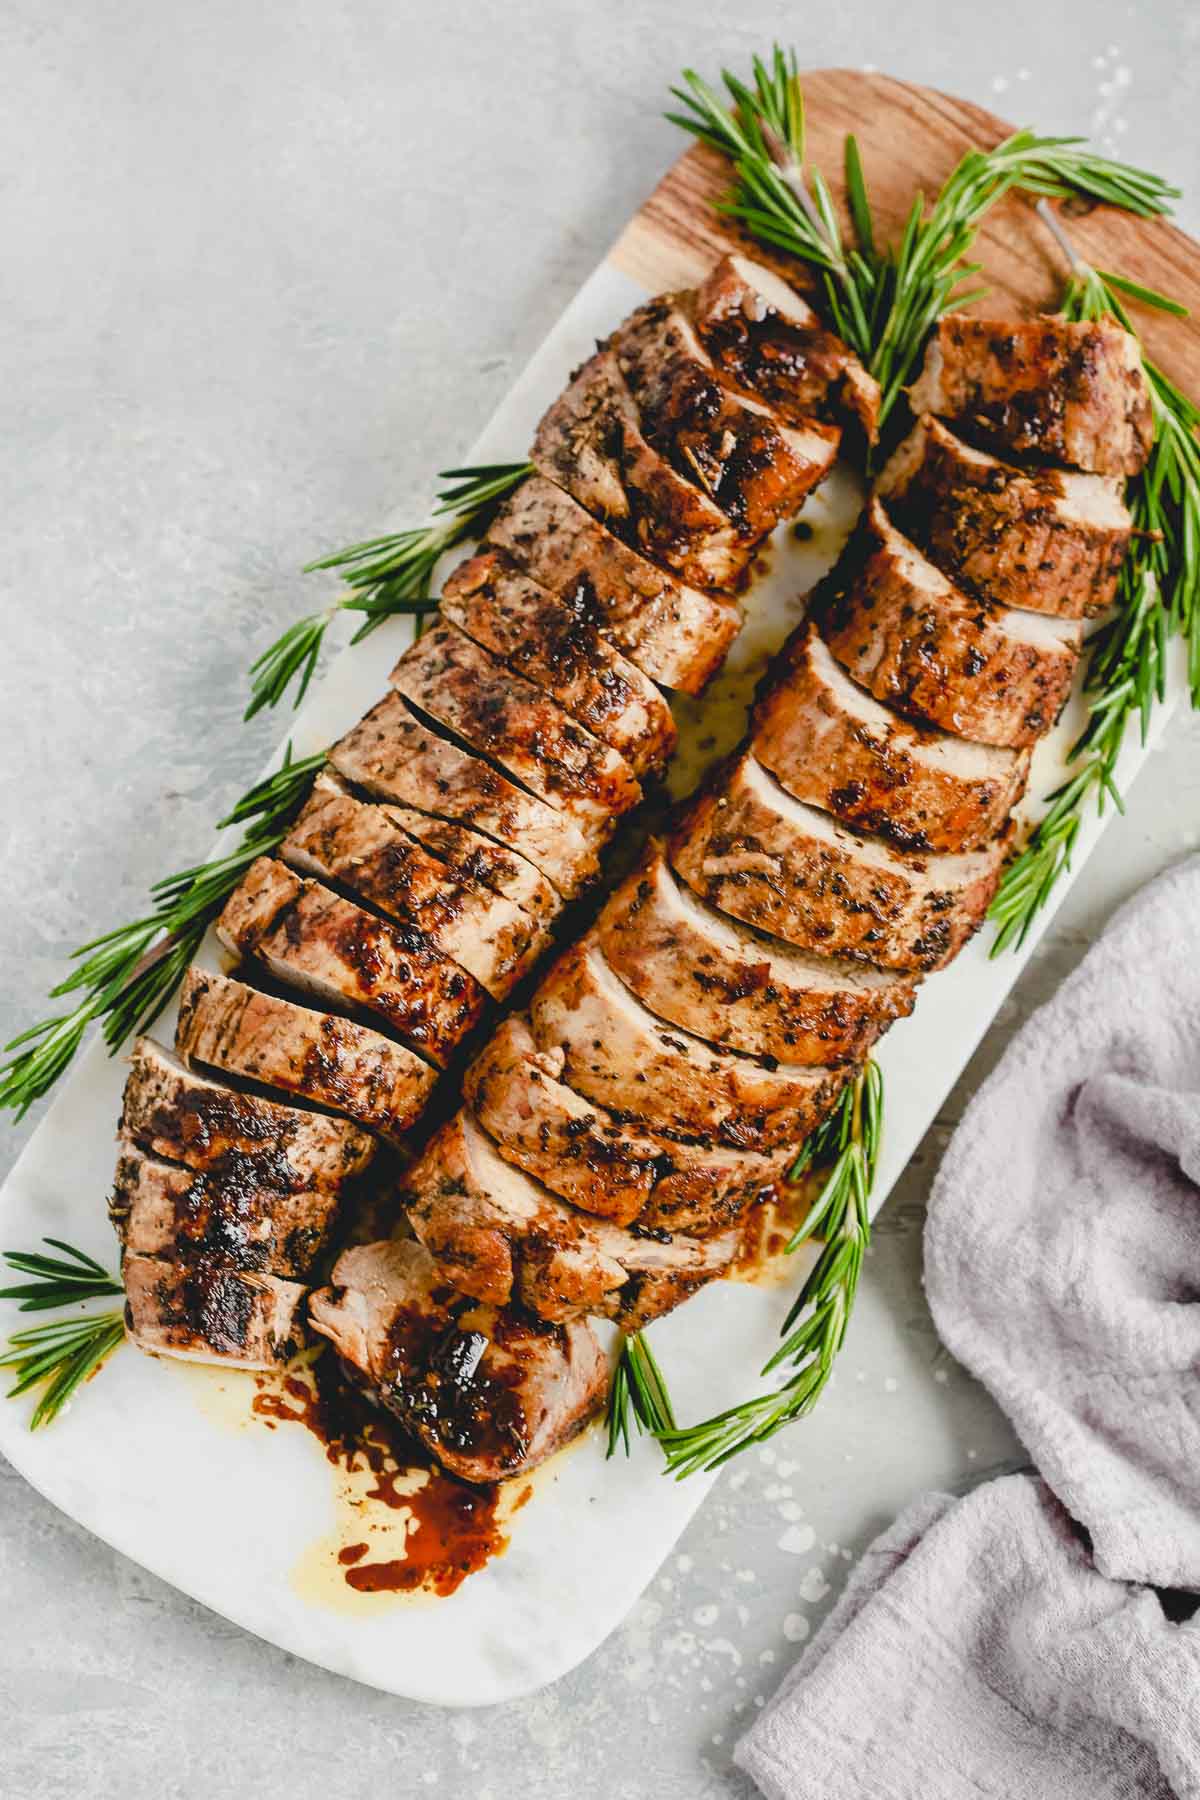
(385, 576)
(883, 299)
(637, 1387)
(60, 1354)
(127, 976)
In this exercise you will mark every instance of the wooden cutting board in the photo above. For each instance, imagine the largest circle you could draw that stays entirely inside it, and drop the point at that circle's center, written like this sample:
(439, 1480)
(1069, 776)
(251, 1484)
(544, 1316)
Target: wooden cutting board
(910, 139)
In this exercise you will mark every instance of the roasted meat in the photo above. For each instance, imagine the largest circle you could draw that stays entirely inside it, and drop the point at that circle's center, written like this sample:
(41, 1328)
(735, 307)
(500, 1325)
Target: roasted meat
(1071, 392)
(750, 849)
(832, 744)
(488, 1392)
(208, 1312)
(1049, 540)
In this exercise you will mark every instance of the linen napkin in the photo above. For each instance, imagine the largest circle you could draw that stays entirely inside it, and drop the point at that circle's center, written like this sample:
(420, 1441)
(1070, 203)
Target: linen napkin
(977, 1651)
(1062, 1250)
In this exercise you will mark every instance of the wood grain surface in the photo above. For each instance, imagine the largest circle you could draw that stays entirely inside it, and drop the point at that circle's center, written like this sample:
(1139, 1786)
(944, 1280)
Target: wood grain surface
(910, 138)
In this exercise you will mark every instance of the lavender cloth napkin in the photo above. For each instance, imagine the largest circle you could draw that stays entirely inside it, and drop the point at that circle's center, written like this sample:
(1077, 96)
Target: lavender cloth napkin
(978, 1652)
(1062, 1251)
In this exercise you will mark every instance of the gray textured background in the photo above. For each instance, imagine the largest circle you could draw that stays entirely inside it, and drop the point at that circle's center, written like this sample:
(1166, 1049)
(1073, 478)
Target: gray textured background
(265, 268)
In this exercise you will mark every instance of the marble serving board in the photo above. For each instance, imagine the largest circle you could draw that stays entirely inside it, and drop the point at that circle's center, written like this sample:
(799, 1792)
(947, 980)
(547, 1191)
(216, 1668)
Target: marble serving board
(167, 1463)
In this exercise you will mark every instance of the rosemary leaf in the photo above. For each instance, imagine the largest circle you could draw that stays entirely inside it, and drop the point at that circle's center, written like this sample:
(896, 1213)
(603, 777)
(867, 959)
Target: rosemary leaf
(62, 1353)
(638, 1387)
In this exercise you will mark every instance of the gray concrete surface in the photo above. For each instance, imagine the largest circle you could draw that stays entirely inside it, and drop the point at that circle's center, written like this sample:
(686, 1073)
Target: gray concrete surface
(265, 268)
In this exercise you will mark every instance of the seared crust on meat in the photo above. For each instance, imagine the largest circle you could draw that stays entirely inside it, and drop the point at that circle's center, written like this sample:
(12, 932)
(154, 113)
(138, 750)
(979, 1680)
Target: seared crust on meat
(207, 1312)
(480, 862)
(618, 1054)
(757, 469)
(914, 640)
(832, 744)
(749, 848)
(491, 1394)
(1050, 540)
(320, 1057)
(591, 442)
(766, 340)
(561, 650)
(1069, 391)
(513, 723)
(364, 849)
(160, 1209)
(391, 753)
(330, 948)
(700, 969)
(178, 1114)
(675, 634)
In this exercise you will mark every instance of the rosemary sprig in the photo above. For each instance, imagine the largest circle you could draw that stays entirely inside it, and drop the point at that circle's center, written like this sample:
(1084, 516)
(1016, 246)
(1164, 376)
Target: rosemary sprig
(62, 1353)
(1158, 596)
(638, 1387)
(127, 975)
(385, 576)
(883, 300)
(848, 1144)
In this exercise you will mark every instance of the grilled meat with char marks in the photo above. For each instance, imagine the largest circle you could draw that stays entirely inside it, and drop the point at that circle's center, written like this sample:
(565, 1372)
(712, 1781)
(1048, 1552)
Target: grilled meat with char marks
(1071, 392)
(320, 1057)
(392, 754)
(903, 631)
(1049, 540)
(208, 1312)
(677, 635)
(561, 650)
(832, 744)
(747, 847)
(491, 1394)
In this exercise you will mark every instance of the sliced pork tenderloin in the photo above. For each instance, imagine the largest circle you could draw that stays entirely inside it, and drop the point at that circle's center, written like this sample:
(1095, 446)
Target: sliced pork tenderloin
(1070, 391)
(750, 849)
(480, 862)
(767, 340)
(395, 756)
(903, 631)
(492, 1394)
(505, 718)
(207, 1312)
(677, 635)
(182, 1116)
(365, 850)
(591, 442)
(617, 1053)
(560, 649)
(320, 1057)
(738, 988)
(832, 744)
(160, 1209)
(347, 957)
(1049, 540)
(757, 469)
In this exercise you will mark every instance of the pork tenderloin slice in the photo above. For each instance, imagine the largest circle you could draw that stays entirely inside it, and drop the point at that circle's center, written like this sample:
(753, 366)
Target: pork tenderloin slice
(707, 1187)
(560, 649)
(750, 849)
(347, 957)
(185, 1117)
(160, 1209)
(757, 469)
(831, 743)
(739, 988)
(767, 340)
(320, 1057)
(256, 905)
(512, 723)
(480, 862)
(591, 442)
(391, 753)
(364, 849)
(667, 1272)
(539, 1123)
(894, 622)
(677, 635)
(1069, 391)
(618, 1054)
(204, 1312)
(490, 1393)
(1049, 540)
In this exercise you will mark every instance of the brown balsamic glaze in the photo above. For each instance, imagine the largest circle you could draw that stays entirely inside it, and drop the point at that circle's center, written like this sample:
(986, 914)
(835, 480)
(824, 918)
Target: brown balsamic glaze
(454, 1527)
